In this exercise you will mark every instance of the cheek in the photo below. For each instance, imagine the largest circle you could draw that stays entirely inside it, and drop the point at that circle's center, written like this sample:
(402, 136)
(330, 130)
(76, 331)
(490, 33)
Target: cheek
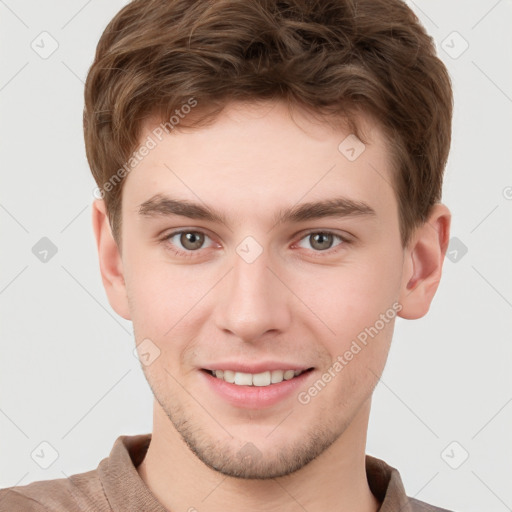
(351, 297)
(359, 304)
(159, 293)
(165, 302)
(358, 357)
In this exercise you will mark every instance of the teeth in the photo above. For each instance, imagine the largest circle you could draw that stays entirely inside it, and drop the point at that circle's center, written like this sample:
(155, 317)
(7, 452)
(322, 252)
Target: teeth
(260, 379)
(256, 379)
(276, 376)
(243, 379)
(229, 376)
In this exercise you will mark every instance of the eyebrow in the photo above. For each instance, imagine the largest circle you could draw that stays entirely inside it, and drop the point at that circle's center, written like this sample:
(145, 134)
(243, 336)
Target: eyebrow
(161, 205)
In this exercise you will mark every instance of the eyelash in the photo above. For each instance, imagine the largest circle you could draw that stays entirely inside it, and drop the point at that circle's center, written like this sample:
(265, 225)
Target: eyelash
(191, 254)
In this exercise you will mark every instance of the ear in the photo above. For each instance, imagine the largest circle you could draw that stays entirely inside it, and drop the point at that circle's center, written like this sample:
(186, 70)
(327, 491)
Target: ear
(111, 266)
(423, 263)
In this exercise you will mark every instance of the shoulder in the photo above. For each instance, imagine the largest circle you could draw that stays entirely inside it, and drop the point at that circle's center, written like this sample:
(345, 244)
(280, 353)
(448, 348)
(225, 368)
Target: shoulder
(386, 484)
(75, 493)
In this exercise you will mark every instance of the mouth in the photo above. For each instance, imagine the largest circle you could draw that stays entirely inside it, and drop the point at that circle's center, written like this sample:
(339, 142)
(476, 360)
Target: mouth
(262, 379)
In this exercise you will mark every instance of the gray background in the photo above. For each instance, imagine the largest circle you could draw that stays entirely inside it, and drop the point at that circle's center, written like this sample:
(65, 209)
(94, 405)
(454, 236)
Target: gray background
(68, 376)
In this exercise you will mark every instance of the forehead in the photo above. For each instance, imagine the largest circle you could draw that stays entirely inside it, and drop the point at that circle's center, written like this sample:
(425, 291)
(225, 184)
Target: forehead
(262, 156)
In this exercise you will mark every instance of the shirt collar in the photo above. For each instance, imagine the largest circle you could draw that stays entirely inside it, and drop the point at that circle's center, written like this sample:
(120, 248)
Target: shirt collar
(126, 491)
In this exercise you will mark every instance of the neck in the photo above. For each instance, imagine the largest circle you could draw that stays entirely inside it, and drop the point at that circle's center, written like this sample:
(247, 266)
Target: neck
(335, 480)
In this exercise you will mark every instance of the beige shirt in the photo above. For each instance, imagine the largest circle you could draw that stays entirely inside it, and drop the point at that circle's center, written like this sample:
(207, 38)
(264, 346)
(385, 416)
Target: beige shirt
(115, 486)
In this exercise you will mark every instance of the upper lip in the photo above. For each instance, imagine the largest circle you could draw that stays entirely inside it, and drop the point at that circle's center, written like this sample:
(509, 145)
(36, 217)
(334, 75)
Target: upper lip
(255, 367)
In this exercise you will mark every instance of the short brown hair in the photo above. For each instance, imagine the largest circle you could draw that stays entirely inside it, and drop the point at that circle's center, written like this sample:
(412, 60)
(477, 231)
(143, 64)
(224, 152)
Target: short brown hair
(331, 57)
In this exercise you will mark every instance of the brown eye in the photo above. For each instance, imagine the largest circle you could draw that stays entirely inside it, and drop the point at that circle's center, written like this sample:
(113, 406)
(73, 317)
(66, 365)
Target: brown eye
(191, 240)
(322, 241)
(186, 243)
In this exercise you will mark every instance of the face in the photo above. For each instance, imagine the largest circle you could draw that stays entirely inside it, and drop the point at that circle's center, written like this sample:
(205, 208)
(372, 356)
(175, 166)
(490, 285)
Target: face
(260, 282)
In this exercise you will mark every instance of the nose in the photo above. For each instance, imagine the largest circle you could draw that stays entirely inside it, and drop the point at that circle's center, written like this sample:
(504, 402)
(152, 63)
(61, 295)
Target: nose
(253, 300)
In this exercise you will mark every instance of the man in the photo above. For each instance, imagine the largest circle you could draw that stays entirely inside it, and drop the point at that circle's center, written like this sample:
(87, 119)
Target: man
(270, 178)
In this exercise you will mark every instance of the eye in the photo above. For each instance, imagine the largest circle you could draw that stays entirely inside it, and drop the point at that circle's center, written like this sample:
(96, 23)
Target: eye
(323, 240)
(190, 240)
(185, 243)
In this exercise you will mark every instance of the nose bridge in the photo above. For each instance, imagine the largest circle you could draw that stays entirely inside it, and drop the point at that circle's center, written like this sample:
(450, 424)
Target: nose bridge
(254, 301)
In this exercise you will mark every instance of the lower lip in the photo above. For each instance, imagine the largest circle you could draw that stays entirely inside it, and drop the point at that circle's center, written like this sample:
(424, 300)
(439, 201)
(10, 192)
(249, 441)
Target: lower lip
(255, 397)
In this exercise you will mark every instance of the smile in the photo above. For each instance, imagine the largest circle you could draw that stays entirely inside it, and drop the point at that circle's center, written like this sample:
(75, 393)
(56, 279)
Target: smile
(266, 378)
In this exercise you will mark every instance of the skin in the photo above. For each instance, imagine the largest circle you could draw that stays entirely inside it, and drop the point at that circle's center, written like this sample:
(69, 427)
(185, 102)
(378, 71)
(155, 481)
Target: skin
(294, 303)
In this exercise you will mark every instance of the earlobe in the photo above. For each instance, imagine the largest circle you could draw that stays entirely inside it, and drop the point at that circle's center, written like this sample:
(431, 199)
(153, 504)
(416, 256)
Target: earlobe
(424, 262)
(110, 262)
